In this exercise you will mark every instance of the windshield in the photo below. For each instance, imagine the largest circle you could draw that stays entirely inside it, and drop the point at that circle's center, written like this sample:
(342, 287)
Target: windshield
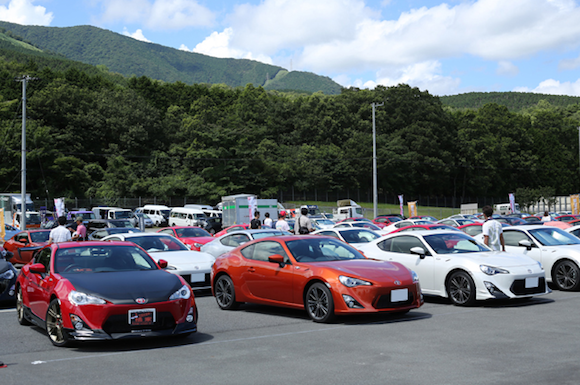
(153, 244)
(454, 243)
(122, 214)
(192, 232)
(553, 236)
(322, 250)
(39, 236)
(165, 212)
(91, 259)
(358, 236)
(121, 223)
(325, 222)
(32, 218)
(366, 225)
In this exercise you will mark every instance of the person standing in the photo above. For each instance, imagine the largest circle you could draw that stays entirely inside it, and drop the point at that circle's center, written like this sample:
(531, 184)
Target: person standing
(267, 220)
(282, 225)
(303, 225)
(81, 232)
(60, 233)
(492, 231)
(546, 217)
(255, 223)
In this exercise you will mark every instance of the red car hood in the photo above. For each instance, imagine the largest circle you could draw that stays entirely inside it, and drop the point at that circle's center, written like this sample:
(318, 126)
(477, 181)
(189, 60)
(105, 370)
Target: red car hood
(200, 240)
(379, 271)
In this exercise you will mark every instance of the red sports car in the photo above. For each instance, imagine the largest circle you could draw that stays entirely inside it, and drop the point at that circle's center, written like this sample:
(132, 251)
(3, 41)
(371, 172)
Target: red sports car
(243, 226)
(424, 227)
(102, 290)
(195, 237)
(385, 220)
(323, 275)
(25, 243)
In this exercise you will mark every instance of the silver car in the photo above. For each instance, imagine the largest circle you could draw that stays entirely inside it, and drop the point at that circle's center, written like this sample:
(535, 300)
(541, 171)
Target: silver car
(233, 239)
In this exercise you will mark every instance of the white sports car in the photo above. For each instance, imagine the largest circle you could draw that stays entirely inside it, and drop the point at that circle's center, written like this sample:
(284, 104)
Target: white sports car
(454, 265)
(557, 250)
(193, 266)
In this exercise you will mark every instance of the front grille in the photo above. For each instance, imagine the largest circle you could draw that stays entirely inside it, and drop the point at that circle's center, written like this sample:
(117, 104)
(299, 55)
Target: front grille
(119, 323)
(3, 285)
(519, 287)
(384, 301)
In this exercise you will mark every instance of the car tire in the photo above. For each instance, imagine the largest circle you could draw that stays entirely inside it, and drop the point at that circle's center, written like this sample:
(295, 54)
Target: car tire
(225, 294)
(461, 289)
(54, 325)
(319, 303)
(566, 275)
(20, 308)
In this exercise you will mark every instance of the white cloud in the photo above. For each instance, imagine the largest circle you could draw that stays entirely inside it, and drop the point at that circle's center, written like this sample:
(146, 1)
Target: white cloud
(137, 35)
(24, 12)
(569, 64)
(554, 87)
(507, 68)
(158, 14)
(218, 45)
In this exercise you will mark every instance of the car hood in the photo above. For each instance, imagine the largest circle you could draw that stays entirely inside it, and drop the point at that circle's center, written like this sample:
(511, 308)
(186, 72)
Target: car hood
(379, 271)
(201, 240)
(184, 258)
(124, 287)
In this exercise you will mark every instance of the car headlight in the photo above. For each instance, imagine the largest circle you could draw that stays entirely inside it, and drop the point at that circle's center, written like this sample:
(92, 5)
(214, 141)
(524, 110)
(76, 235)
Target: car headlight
(183, 293)
(198, 245)
(352, 282)
(8, 274)
(80, 298)
(492, 270)
(415, 276)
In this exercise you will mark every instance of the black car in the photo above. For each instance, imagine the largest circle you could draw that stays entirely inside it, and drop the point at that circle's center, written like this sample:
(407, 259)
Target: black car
(97, 224)
(7, 276)
(102, 233)
(212, 225)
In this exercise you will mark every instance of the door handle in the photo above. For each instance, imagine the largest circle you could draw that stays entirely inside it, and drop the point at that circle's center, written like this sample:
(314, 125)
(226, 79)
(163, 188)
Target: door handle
(251, 269)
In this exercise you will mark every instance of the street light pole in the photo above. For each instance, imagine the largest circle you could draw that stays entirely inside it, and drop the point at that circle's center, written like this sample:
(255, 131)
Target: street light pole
(375, 194)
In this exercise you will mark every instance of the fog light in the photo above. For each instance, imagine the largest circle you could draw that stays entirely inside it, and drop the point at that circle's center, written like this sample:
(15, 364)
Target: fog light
(190, 313)
(77, 322)
(351, 302)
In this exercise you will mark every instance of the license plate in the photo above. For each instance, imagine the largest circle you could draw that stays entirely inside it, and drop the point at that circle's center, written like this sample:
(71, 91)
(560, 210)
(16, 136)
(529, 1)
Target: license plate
(142, 317)
(532, 282)
(197, 277)
(399, 295)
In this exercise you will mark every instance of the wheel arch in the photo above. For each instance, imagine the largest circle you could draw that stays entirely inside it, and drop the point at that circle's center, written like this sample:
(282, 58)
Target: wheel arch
(310, 283)
(562, 259)
(450, 273)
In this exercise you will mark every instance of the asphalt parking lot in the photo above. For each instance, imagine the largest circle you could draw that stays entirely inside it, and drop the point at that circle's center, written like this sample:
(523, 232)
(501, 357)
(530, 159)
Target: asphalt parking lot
(513, 342)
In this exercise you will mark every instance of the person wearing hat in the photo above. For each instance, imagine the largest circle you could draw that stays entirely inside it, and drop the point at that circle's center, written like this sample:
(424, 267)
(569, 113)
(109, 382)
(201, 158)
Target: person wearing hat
(81, 233)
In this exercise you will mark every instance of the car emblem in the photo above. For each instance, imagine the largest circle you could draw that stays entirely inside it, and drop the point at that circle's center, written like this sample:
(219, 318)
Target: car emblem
(196, 268)
(141, 300)
(397, 282)
(529, 271)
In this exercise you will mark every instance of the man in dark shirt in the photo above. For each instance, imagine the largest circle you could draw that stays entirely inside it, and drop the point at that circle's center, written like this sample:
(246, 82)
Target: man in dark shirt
(255, 223)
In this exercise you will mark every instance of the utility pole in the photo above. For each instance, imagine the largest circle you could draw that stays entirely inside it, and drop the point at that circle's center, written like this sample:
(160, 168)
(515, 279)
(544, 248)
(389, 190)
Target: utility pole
(375, 193)
(24, 80)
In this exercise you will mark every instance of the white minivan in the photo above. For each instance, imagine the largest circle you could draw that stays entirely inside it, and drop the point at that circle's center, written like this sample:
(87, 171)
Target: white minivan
(185, 216)
(159, 214)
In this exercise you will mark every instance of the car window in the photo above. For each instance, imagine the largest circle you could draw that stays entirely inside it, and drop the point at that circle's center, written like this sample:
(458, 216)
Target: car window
(329, 234)
(192, 232)
(266, 234)
(234, 240)
(455, 243)
(43, 257)
(474, 230)
(404, 244)
(553, 236)
(167, 231)
(318, 249)
(96, 259)
(22, 238)
(359, 236)
(513, 238)
(262, 250)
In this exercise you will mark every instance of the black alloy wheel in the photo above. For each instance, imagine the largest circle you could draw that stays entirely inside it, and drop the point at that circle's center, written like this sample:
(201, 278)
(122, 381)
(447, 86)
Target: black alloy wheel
(54, 325)
(461, 289)
(225, 294)
(319, 303)
(567, 275)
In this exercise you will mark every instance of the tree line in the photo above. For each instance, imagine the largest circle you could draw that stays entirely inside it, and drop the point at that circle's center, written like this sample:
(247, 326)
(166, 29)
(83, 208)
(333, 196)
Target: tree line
(90, 136)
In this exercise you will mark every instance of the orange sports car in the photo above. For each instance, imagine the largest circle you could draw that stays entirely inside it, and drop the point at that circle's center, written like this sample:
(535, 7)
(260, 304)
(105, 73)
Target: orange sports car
(25, 243)
(323, 275)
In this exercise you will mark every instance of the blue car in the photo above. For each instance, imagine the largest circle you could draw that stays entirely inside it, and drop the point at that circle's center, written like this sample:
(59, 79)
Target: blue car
(7, 276)
(9, 232)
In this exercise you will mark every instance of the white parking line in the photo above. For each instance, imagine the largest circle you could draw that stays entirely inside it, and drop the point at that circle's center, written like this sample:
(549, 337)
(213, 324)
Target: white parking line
(7, 310)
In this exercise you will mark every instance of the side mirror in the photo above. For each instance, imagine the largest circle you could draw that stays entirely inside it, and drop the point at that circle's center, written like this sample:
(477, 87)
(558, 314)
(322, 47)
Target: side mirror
(418, 250)
(162, 263)
(9, 255)
(37, 268)
(526, 243)
(277, 258)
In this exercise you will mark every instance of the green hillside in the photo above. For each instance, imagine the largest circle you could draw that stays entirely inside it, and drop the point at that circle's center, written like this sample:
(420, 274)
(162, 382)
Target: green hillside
(514, 101)
(131, 57)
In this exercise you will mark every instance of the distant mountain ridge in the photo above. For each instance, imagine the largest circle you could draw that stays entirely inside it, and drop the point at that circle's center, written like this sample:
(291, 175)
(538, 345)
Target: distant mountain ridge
(514, 101)
(127, 56)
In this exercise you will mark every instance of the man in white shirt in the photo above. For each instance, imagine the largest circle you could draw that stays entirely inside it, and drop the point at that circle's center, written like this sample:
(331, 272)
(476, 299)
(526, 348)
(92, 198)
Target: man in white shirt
(282, 224)
(60, 233)
(268, 221)
(492, 231)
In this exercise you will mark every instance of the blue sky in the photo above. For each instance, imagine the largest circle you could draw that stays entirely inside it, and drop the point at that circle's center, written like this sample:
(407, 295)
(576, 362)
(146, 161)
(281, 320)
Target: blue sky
(445, 48)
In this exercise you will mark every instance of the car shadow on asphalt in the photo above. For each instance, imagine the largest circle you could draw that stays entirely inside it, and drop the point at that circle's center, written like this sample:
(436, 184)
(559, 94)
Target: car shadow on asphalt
(494, 303)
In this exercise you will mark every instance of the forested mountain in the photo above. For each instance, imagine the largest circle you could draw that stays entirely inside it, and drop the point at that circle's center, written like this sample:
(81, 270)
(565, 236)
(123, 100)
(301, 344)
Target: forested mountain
(131, 57)
(514, 101)
(90, 134)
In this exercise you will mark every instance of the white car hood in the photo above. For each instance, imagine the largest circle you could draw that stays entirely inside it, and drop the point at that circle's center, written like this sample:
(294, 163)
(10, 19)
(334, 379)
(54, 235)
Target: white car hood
(184, 258)
(495, 258)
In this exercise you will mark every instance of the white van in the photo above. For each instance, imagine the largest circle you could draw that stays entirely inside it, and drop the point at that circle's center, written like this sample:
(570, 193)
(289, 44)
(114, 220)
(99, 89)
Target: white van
(159, 214)
(185, 216)
(505, 208)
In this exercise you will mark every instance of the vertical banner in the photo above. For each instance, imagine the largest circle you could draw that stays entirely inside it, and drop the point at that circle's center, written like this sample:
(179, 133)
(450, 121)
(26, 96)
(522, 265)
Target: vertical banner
(401, 205)
(412, 209)
(2, 228)
(59, 206)
(512, 203)
(252, 205)
(575, 200)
